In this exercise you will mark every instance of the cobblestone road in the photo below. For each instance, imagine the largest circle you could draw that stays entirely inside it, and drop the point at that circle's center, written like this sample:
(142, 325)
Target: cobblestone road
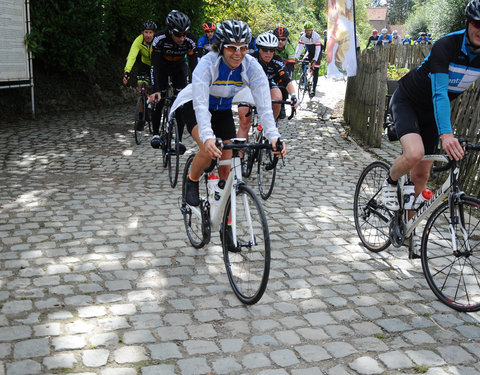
(97, 275)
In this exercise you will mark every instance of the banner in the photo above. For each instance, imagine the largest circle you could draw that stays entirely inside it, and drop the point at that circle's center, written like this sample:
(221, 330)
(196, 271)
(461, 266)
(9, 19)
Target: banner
(341, 54)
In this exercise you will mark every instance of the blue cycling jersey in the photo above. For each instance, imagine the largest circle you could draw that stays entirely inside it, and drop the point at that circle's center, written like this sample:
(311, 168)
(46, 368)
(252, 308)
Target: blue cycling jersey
(387, 39)
(205, 45)
(226, 77)
(450, 68)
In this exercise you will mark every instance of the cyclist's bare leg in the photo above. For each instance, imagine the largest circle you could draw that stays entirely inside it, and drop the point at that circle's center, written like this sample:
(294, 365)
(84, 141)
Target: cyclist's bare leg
(276, 94)
(244, 122)
(203, 159)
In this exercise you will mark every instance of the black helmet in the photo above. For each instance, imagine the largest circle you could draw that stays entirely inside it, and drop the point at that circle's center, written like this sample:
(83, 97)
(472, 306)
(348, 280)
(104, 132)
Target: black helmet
(234, 31)
(472, 11)
(149, 25)
(177, 21)
(281, 32)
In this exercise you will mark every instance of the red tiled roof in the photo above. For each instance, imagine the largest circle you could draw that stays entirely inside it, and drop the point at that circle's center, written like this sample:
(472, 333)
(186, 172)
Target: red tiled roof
(377, 14)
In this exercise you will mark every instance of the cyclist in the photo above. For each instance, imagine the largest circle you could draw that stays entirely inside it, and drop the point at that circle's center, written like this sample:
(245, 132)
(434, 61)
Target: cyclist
(170, 48)
(373, 39)
(385, 38)
(422, 39)
(143, 45)
(285, 49)
(205, 41)
(429, 37)
(325, 40)
(313, 43)
(421, 105)
(208, 114)
(396, 38)
(277, 75)
(407, 40)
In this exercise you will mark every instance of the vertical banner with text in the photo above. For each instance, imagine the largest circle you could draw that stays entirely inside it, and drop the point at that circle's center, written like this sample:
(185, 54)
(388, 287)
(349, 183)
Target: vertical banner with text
(341, 55)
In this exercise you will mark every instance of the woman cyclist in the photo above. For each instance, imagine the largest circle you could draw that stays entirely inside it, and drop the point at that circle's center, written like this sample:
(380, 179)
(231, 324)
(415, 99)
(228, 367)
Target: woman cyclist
(207, 101)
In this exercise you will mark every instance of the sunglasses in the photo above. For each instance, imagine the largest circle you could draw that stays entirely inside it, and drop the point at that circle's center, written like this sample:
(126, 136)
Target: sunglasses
(179, 34)
(475, 23)
(264, 49)
(233, 48)
(282, 39)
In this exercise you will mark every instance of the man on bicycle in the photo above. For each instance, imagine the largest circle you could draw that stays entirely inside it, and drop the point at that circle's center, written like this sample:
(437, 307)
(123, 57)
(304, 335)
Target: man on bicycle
(143, 45)
(171, 48)
(421, 105)
(285, 49)
(277, 75)
(205, 42)
(313, 44)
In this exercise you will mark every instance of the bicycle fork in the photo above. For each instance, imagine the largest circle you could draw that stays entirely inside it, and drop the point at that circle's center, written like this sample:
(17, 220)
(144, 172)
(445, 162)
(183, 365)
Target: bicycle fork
(455, 200)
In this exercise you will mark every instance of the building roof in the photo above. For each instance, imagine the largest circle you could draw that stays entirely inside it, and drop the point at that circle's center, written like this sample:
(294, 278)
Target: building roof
(377, 14)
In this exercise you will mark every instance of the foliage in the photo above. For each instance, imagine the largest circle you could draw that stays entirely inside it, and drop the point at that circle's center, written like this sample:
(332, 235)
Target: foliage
(417, 21)
(362, 26)
(394, 73)
(398, 11)
(446, 16)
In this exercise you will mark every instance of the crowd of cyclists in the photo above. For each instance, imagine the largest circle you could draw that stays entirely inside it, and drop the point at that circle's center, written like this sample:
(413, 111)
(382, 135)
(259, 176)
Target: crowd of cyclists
(220, 67)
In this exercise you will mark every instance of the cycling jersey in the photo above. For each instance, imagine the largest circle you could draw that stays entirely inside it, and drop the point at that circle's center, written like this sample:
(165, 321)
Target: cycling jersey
(407, 41)
(384, 39)
(215, 85)
(373, 40)
(312, 44)
(166, 54)
(450, 68)
(288, 56)
(422, 41)
(396, 40)
(145, 50)
(205, 45)
(275, 70)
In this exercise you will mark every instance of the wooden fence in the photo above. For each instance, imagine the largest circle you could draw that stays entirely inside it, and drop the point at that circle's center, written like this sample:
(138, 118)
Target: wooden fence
(367, 94)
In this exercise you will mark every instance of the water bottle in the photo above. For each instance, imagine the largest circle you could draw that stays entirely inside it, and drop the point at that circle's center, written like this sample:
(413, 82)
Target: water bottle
(408, 195)
(212, 186)
(422, 198)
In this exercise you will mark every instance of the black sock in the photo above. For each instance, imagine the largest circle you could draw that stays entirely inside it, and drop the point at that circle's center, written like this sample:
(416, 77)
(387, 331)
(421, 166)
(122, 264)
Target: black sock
(390, 181)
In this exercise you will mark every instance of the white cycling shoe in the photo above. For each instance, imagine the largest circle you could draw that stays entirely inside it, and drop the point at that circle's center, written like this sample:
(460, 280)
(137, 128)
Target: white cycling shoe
(389, 196)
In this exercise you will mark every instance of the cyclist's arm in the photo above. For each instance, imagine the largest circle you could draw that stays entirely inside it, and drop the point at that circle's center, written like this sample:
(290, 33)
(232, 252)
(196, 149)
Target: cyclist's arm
(132, 55)
(299, 50)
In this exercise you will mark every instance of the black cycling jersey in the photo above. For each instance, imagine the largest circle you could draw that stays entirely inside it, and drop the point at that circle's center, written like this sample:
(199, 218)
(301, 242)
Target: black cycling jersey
(167, 55)
(449, 55)
(275, 70)
(373, 40)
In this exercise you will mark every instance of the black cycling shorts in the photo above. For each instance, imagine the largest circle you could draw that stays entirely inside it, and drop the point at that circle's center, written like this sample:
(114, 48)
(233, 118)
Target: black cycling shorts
(222, 122)
(177, 72)
(410, 117)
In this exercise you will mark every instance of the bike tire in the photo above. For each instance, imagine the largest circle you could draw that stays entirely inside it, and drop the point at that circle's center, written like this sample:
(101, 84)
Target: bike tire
(248, 267)
(139, 116)
(164, 135)
(301, 87)
(251, 155)
(195, 218)
(452, 275)
(173, 149)
(371, 217)
(265, 174)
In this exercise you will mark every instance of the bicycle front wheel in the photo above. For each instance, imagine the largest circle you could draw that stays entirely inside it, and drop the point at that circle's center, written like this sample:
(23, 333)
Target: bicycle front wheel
(164, 135)
(248, 264)
(267, 170)
(195, 218)
(371, 216)
(173, 160)
(138, 128)
(452, 272)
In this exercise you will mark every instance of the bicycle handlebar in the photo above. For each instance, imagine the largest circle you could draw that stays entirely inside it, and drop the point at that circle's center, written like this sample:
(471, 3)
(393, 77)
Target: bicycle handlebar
(468, 147)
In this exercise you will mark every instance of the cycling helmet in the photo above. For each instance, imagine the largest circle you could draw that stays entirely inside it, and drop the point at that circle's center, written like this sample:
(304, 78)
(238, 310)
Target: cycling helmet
(281, 32)
(177, 21)
(267, 40)
(234, 31)
(384, 31)
(308, 25)
(394, 32)
(149, 25)
(472, 11)
(209, 26)
(422, 33)
(374, 31)
(325, 32)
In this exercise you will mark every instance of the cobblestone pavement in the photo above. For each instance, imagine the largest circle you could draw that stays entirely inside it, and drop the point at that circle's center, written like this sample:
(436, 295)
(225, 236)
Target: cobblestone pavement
(97, 275)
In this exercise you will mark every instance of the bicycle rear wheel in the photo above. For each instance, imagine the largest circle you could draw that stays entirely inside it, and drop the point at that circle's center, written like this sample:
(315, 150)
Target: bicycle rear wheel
(454, 275)
(301, 87)
(251, 155)
(139, 117)
(371, 217)
(267, 170)
(248, 266)
(195, 218)
(173, 160)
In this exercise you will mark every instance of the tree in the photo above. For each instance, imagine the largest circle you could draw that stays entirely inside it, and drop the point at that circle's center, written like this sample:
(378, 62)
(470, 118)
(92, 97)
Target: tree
(398, 11)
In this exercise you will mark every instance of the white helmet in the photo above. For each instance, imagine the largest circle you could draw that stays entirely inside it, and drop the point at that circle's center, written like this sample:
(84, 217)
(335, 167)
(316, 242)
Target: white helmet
(267, 40)
(384, 31)
(394, 32)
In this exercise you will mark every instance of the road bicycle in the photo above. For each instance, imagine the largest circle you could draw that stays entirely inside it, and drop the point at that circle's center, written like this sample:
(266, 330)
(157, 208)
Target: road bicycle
(305, 82)
(169, 138)
(240, 217)
(143, 112)
(450, 244)
(265, 160)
